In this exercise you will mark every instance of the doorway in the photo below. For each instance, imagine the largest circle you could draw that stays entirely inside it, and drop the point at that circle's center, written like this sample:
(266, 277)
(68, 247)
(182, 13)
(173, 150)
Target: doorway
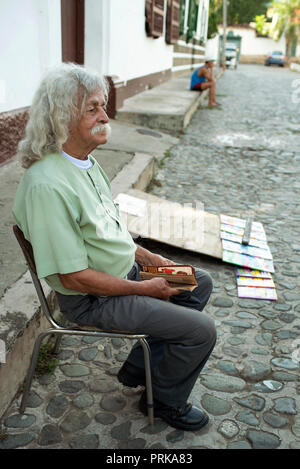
(72, 31)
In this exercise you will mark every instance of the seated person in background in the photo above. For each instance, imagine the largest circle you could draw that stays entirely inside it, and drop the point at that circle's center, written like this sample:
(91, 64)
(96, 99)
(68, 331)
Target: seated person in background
(203, 79)
(84, 251)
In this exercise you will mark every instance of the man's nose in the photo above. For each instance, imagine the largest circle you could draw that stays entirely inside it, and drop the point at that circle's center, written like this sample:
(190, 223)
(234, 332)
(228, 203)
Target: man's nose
(103, 117)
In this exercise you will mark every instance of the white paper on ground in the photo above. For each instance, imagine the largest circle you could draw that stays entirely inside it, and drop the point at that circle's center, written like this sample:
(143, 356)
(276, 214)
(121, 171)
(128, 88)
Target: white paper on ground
(133, 205)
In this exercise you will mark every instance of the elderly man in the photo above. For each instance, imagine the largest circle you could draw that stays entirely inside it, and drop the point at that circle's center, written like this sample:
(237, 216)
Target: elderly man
(84, 251)
(203, 78)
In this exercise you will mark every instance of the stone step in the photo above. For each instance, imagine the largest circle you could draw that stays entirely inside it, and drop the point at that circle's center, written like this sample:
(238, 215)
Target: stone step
(168, 107)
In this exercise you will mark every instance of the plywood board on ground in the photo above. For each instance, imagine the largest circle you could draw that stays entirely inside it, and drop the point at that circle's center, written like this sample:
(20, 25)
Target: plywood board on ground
(181, 225)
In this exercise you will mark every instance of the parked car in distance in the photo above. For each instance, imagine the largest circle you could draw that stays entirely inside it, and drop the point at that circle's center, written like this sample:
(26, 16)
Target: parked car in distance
(231, 55)
(276, 58)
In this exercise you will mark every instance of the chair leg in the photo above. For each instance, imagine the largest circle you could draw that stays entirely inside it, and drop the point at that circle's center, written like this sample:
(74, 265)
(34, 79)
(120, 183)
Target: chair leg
(31, 369)
(58, 338)
(57, 344)
(147, 358)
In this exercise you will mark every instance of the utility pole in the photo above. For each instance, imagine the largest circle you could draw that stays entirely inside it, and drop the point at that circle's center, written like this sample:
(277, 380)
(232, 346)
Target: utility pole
(224, 34)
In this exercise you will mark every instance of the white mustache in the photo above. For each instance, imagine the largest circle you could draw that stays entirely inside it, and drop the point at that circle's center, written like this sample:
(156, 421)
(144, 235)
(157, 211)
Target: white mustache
(101, 128)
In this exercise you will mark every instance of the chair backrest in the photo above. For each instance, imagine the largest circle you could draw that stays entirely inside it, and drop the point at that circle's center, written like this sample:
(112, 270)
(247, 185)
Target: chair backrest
(26, 248)
(28, 254)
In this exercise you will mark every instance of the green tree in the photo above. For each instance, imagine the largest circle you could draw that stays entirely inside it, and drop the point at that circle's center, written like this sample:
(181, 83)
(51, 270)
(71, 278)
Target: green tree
(212, 19)
(286, 21)
(262, 25)
(242, 11)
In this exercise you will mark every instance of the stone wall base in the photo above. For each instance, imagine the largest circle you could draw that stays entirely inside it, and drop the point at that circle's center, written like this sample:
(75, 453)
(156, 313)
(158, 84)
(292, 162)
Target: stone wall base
(252, 59)
(19, 332)
(12, 127)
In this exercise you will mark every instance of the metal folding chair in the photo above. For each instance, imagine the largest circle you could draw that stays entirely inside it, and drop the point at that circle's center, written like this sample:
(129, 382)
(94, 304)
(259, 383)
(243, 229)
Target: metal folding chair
(60, 330)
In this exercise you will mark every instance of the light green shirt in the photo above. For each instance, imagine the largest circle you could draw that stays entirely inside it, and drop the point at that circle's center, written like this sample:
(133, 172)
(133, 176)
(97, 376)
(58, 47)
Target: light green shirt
(69, 217)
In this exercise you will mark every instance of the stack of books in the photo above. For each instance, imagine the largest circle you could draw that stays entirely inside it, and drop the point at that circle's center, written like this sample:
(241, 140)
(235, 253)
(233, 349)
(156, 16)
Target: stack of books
(181, 277)
(255, 280)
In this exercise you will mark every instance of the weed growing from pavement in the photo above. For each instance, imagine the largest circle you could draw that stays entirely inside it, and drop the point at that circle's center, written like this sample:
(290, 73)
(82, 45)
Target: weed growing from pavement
(46, 362)
(3, 435)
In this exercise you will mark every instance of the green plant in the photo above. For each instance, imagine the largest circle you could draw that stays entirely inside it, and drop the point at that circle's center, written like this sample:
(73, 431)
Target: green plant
(3, 435)
(262, 26)
(241, 11)
(212, 30)
(46, 362)
(287, 22)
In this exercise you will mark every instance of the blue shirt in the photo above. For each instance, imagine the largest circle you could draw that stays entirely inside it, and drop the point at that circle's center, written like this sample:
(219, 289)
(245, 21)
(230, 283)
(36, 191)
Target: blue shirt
(195, 79)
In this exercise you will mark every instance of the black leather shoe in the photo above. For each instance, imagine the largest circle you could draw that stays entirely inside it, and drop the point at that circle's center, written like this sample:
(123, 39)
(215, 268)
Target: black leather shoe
(131, 375)
(186, 417)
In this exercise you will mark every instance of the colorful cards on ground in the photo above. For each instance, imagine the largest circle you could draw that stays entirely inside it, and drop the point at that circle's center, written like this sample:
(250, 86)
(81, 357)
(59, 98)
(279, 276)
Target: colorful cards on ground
(254, 279)
(248, 261)
(256, 255)
(260, 235)
(238, 239)
(252, 273)
(255, 284)
(257, 293)
(248, 250)
(238, 222)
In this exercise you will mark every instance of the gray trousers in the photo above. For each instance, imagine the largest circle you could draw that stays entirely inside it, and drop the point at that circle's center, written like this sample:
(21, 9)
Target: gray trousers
(181, 336)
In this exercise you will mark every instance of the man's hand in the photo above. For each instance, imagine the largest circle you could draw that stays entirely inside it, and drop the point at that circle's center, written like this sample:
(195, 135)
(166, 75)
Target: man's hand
(158, 288)
(209, 75)
(145, 257)
(157, 260)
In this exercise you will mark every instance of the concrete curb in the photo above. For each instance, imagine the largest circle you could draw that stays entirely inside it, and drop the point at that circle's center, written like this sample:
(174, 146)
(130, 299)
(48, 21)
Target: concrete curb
(174, 122)
(21, 321)
(167, 107)
(136, 174)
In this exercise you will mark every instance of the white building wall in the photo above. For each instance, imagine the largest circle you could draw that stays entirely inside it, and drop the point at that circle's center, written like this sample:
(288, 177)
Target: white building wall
(212, 47)
(30, 38)
(252, 45)
(116, 43)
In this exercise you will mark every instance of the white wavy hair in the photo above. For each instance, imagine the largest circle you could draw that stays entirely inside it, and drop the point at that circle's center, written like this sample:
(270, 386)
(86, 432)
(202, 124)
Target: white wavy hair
(59, 100)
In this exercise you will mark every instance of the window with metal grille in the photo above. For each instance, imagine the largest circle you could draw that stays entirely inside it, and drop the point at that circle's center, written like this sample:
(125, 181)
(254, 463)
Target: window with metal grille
(192, 19)
(173, 19)
(154, 18)
(182, 17)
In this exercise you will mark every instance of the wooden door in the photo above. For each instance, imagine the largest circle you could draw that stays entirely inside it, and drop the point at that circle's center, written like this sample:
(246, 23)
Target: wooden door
(72, 30)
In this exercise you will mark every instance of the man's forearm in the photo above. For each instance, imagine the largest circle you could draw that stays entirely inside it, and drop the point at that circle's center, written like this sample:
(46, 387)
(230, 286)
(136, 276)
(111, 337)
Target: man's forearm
(143, 256)
(99, 283)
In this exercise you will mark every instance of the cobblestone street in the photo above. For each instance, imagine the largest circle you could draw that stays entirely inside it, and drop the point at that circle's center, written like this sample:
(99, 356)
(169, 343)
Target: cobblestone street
(244, 159)
(241, 159)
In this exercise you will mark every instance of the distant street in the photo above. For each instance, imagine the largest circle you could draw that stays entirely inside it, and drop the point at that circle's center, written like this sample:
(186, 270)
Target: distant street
(244, 159)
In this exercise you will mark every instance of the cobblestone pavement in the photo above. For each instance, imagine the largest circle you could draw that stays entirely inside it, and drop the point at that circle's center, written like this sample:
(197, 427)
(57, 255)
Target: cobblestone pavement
(242, 159)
